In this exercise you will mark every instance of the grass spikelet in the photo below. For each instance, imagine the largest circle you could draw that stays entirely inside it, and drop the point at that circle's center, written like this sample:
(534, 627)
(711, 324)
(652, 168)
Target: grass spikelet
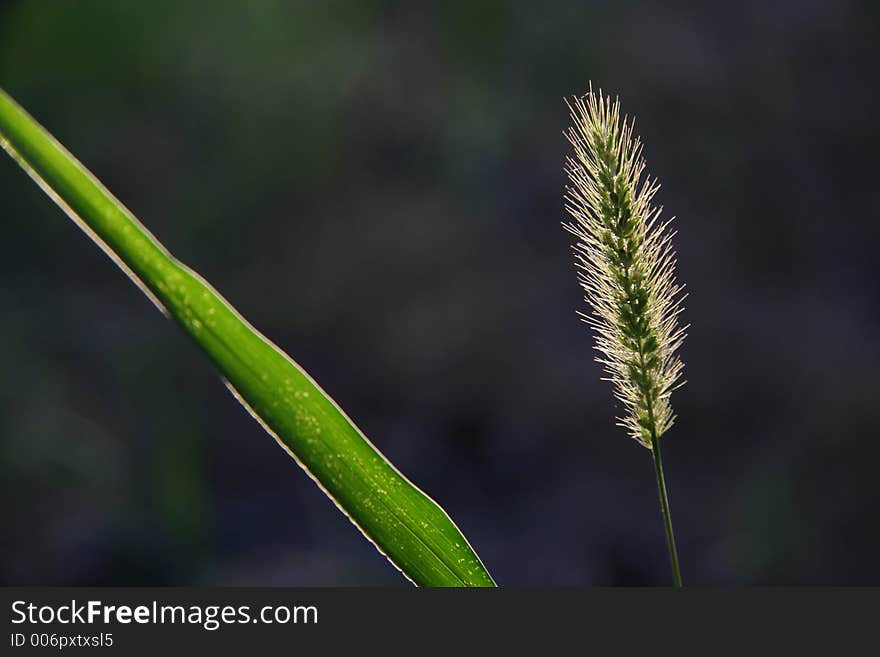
(626, 266)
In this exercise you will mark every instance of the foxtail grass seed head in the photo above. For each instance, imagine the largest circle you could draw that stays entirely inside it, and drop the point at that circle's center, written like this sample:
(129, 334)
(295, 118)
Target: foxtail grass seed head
(625, 263)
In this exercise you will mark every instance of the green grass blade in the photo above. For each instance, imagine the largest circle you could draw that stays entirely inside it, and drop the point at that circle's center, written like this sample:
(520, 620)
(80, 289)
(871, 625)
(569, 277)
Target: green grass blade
(416, 535)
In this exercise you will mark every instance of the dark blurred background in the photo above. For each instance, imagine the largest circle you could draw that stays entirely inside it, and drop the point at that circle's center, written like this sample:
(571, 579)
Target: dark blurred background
(377, 186)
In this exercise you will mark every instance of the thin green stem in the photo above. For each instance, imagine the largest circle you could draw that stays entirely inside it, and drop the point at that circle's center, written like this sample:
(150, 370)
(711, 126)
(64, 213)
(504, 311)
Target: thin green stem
(664, 504)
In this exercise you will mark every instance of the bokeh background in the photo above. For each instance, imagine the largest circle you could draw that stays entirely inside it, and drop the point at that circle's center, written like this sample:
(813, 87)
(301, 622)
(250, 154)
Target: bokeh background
(377, 186)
